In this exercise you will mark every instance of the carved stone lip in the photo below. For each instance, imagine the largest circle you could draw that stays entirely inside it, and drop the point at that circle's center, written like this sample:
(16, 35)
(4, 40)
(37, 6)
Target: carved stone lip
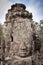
(23, 52)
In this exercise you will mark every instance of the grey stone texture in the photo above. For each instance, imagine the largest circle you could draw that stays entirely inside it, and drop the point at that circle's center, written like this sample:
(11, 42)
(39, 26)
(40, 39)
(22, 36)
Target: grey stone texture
(20, 35)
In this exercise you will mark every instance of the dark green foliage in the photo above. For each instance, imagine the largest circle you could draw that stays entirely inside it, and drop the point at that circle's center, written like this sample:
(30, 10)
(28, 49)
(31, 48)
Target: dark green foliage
(42, 38)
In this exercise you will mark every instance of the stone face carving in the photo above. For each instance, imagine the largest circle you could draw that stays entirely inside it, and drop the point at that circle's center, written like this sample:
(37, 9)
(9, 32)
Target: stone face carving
(21, 38)
(18, 35)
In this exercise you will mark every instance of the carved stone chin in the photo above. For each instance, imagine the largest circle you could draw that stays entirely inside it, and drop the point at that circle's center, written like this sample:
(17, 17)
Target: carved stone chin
(22, 61)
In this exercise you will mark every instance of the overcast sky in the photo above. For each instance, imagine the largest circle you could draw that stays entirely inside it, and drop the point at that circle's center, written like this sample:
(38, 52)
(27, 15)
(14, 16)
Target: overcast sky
(34, 6)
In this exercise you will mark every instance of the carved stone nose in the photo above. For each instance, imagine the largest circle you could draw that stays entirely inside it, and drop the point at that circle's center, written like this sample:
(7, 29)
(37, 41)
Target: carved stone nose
(23, 46)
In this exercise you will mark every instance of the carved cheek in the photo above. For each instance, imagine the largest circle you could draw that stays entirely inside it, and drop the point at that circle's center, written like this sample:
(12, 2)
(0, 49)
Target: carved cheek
(15, 47)
(28, 46)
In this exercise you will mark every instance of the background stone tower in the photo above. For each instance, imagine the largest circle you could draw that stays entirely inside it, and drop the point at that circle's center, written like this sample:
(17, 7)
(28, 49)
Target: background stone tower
(18, 36)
